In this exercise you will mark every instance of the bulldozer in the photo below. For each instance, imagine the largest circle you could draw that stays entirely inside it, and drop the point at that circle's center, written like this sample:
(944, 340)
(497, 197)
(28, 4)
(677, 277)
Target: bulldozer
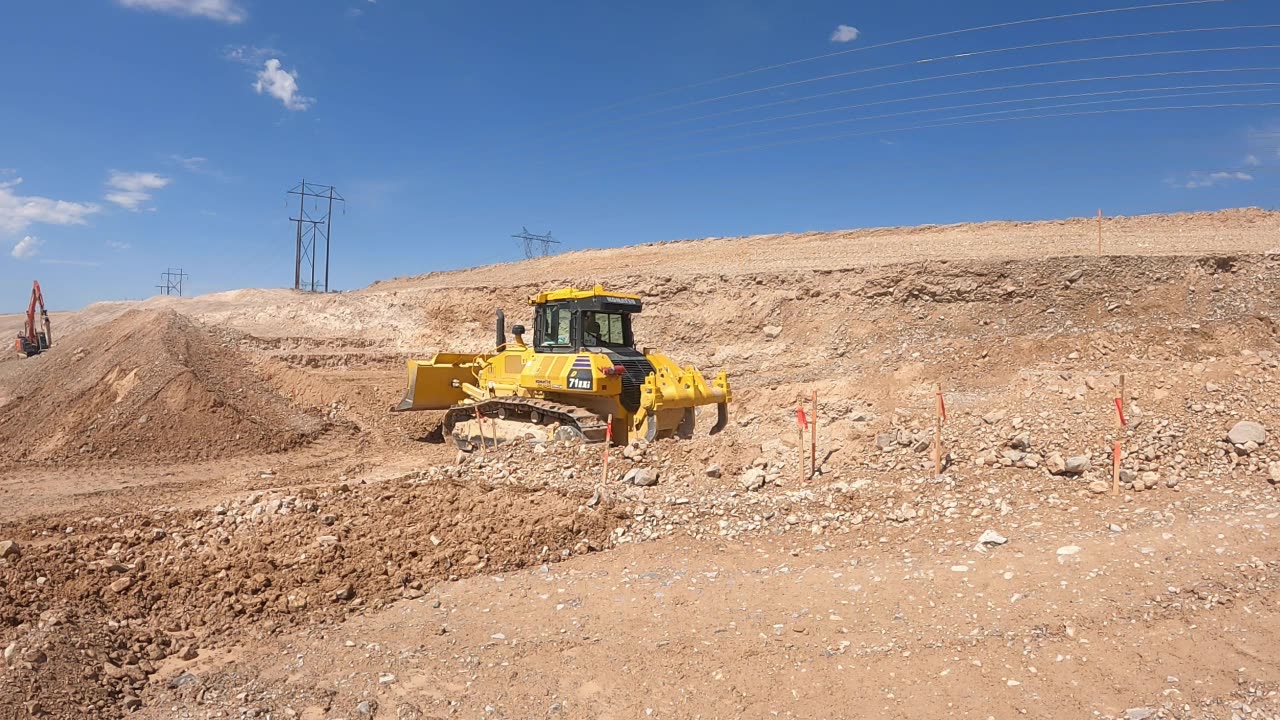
(583, 377)
(35, 337)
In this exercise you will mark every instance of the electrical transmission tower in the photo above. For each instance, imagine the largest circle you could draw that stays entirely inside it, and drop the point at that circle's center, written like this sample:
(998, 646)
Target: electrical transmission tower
(172, 282)
(536, 245)
(313, 227)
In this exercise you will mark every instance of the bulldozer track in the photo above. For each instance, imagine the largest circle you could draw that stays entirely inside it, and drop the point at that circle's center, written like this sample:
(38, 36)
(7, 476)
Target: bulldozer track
(594, 429)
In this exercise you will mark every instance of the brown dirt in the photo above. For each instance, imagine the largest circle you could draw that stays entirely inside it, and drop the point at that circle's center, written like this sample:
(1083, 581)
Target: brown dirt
(146, 385)
(858, 591)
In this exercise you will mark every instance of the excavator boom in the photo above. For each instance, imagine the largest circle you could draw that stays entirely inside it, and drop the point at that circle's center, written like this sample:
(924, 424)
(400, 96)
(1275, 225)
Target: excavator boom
(36, 337)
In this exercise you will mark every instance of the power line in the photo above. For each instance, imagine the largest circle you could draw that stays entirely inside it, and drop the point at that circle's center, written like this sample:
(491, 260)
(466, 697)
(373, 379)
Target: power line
(904, 41)
(1210, 90)
(953, 93)
(997, 88)
(955, 56)
(869, 133)
(973, 73)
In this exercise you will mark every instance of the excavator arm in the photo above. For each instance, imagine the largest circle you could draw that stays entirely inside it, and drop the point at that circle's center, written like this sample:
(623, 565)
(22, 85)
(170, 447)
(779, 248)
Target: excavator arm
(35, 337)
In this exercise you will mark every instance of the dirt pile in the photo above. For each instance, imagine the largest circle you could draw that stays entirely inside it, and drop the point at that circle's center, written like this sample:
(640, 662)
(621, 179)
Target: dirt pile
(95, 612)
(146, 385)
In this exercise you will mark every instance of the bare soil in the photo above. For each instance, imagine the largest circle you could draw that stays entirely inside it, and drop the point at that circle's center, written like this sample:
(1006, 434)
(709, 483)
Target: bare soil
(271, 542)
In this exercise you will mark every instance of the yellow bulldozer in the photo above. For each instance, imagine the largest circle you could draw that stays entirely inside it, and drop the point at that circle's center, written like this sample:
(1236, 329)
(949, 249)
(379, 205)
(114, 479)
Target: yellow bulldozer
(582, 369)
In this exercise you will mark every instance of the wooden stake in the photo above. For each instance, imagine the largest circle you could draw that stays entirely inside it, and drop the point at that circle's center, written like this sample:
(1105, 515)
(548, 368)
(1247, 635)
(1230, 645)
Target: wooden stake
(608, 440)
(1124, 400)
(813, 437)
(939, 412)
(480, 429)
(1099, 232)
(1115, 468)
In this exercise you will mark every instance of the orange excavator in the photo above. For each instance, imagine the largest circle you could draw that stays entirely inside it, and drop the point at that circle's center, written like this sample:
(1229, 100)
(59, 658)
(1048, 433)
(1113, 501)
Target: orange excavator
(35, 339)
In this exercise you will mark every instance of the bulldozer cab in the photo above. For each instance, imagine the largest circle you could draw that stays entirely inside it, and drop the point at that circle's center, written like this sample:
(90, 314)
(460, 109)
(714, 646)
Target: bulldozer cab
(568, 321)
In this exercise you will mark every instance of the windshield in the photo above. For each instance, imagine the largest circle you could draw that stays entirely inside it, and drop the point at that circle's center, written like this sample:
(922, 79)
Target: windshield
(603, 329)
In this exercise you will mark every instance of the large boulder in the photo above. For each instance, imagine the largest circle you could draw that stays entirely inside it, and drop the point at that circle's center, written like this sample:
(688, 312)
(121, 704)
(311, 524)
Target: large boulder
(1247, 431)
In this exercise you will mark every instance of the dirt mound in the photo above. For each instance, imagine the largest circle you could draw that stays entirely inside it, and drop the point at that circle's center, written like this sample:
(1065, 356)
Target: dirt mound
(98, 618)
(146, 385)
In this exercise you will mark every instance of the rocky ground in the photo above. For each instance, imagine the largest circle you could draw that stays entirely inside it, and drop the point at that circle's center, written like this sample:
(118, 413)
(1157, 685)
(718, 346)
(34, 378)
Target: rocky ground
(278, 545)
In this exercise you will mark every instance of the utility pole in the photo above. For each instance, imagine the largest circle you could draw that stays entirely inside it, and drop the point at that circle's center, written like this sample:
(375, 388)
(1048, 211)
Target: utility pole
(171, 282)
(311, 227)
(542, 248)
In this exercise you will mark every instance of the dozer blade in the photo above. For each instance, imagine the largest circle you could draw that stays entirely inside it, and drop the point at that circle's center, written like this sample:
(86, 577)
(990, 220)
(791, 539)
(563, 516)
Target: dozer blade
(437, 384)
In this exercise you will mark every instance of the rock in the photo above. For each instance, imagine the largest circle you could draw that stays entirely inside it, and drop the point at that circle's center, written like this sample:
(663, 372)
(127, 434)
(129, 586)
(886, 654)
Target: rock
(921, 444)
(344, 593)
(1149, 479)
(1068, 549)
(772, 331)
(187, 652)
(131, 703)
(115, 672)
(386, 678)
(713, 471)
(366, 707)
(753, 479)
(1247, 431)
(993, 417)
(886, 440)
(641, 477)
(633, 452)
(1073, 276)
(1055, 464)
(1098, 487)
(120, 585)
(1139, 713)
(989, 538)
(1076, 465)
(9, 549)
(1274, 470)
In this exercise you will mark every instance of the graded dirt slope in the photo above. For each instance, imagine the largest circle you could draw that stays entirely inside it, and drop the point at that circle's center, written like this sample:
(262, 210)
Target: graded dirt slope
(146, 385)
(378, 573)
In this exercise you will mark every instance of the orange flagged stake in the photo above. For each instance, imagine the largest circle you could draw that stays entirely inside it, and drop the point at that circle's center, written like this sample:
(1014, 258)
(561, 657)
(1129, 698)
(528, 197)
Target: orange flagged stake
(1120, 412)
(1115, 468)
(939, 417)
(802, 424)
(813, 438)
(608, 440)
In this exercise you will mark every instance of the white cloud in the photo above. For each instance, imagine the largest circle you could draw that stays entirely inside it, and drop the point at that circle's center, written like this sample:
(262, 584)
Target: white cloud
(1203, 180)
(26, 248)
(118, 246)
(131, 190)
(845, 33)
(1252, 160)
(18, 212)
(194, 164)
(282, 85)
(251, 55)
(227, 11)
(354, 12)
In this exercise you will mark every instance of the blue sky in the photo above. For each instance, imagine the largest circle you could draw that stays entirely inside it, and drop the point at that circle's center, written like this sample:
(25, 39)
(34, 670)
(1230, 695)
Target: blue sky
(137, 135)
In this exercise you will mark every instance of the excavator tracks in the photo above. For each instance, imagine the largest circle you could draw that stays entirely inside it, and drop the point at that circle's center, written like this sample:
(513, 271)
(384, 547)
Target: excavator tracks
(592, 427)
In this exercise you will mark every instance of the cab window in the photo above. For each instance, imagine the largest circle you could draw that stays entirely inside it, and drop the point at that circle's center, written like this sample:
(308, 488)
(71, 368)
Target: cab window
(555, 330)
(603, 329)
